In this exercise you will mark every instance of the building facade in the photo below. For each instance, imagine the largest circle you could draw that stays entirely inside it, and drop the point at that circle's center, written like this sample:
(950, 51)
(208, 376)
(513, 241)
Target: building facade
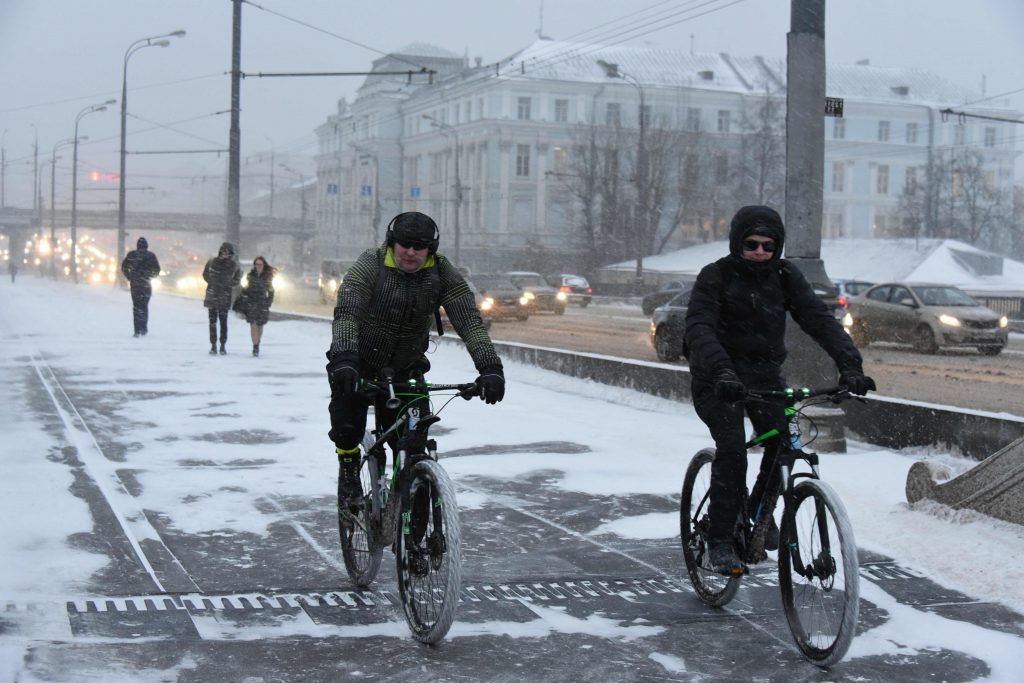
(492, 152)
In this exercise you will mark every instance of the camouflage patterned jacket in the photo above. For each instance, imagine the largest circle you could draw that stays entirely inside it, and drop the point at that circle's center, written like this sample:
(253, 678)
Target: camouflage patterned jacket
(391, 328)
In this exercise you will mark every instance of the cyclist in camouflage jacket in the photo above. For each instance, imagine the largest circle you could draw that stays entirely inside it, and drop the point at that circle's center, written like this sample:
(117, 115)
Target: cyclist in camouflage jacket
(385, 308)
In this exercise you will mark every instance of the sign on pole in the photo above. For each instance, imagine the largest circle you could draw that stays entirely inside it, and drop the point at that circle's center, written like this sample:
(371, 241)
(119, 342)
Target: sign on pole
(834, 107)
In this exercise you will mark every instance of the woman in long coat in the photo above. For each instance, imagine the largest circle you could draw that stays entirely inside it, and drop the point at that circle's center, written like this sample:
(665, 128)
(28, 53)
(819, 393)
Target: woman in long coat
(259, 295)
(222, 275)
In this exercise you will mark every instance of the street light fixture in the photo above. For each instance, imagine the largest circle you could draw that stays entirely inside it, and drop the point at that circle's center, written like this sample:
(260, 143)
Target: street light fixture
(152, 41)
(613, 71)
(74, 184)
(458, 181)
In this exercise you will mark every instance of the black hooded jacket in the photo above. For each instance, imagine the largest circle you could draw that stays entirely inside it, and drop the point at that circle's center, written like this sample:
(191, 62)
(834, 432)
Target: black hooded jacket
(140, 266)
(736, 318)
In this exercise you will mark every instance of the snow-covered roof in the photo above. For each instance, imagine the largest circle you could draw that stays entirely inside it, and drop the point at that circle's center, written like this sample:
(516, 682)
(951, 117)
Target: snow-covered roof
(426, 50)
(875, 260)
(667, 67)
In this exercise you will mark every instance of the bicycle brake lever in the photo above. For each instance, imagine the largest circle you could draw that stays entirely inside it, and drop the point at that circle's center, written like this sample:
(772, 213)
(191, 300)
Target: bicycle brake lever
(470, 392)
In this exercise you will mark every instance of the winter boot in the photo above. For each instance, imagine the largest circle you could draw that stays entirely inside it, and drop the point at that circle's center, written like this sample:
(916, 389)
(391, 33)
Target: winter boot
(213, 349)
(771, 538)
(350, 488)
(223, 351)
(256, 350)
(723, 558)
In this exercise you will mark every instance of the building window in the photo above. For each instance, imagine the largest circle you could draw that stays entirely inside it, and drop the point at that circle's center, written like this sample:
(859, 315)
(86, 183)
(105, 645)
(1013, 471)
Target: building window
(910, 183)
(560, 160)
(838, 176)
(723, 120)
(882, 179)
(480, 108)
(839, 129)
(693, 119)
(613, 114)
(561, 111)
(833, 225)
(883, 131)
(959, 135)
(469, 110)
(523, 111)
(911, 133)
(990, 137)
(522, 161)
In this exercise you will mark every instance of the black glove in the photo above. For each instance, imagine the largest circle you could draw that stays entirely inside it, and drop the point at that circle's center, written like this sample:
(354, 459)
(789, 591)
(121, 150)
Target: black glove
(343, 374)
(492, 384)
(728, 387)
(856, 381)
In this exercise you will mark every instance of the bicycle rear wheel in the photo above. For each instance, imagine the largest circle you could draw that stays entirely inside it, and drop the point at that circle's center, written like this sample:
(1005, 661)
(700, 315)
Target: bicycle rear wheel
(429, 553)
(694, 524)
(359, 549)
(818, 572)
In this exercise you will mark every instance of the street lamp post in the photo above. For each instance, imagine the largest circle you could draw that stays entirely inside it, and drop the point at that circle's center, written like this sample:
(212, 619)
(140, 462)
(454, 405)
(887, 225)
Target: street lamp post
(458, 180)
(613, 71)
(153, 41)
(74, 185)
(53, 202)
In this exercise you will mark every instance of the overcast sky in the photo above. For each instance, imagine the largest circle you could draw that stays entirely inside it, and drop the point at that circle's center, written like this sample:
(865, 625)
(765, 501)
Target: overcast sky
(60, 56)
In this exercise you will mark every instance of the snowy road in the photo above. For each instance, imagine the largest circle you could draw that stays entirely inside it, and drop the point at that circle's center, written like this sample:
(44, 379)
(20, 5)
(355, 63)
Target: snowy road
(168, 516)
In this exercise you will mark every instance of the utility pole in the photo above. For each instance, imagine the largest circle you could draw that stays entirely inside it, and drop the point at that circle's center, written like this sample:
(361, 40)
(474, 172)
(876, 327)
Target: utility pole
(233, 212)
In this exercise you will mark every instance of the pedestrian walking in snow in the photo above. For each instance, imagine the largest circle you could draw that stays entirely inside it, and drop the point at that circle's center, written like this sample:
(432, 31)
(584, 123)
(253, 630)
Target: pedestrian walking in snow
(139, 267)
(222, 275)
(258, 294)
(12, 268)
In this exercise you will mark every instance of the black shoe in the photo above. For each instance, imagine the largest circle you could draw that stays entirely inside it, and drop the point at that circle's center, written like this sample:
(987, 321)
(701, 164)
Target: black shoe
(213, 349)
(350, 488)
(137, 334)
(724, 560)
(223, 351)
(771, 537)
(256, 350)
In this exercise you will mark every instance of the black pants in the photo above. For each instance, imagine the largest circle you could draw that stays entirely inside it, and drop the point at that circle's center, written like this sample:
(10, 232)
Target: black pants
(729, 469)
(140, 308)
(214, 315)
(349, 411)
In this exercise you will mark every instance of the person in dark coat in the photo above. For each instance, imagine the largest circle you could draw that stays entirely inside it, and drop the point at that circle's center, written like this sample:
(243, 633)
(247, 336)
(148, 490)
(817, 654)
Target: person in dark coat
(139, 267)
(12, 268)
(385, 309)
(734, 340)
(222, 275)
(258, 293)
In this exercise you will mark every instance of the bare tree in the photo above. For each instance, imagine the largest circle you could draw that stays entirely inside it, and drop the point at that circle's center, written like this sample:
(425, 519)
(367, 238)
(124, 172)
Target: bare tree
(762, 158)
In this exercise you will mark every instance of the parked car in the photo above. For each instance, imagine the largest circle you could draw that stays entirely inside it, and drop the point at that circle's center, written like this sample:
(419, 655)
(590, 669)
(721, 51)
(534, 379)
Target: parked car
(543, 296)
(663, 295)
(502, 297)
(668, 323)
(575, 287)
(331, 274)
(926, 315)
(849, 288)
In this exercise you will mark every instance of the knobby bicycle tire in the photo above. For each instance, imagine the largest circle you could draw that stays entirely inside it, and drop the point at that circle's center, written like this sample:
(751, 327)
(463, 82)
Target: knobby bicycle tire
(712, 588)
(430, 567)
(360, 547)
(822, 609)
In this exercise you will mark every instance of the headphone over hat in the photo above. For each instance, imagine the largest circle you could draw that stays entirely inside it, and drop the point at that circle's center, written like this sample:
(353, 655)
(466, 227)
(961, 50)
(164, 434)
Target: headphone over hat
(413, 229)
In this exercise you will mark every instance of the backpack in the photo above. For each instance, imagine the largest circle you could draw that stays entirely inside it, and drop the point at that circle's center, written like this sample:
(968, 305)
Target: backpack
(435, 289)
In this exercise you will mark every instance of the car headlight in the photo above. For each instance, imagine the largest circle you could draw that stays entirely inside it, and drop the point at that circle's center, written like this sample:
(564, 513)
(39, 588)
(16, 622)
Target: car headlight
(947, 319)
(486, 304)
(530, 296)
(561, 296)
(847, 321)
(524, 300)
(1004, 321)
(279, 282)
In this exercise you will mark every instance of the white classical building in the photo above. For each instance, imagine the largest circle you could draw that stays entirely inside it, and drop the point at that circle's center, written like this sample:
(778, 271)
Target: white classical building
(485, 149)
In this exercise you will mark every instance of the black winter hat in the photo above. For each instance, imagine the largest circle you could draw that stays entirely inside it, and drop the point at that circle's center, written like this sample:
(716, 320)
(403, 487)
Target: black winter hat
(756, 220)
(142, 243)
(414, 229)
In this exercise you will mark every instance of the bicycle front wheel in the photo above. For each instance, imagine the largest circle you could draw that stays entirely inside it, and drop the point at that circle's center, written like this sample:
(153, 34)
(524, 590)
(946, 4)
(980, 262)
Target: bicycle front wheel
(818, 572)
(359, 548)
(429, 553)
(694, 526)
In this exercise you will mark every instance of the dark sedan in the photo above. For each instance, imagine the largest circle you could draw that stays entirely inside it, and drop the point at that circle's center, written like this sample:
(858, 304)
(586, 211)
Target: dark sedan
(501, 297)
(663, 295)
(668, 324)
(543, 297)
(925, 315)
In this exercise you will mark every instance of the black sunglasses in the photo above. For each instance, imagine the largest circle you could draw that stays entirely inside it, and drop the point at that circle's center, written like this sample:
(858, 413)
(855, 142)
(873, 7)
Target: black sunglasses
(405, 245)
(752, 245)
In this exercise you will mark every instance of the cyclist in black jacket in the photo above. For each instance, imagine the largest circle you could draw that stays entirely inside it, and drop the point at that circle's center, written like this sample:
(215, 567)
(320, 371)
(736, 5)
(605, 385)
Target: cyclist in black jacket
(734, 339)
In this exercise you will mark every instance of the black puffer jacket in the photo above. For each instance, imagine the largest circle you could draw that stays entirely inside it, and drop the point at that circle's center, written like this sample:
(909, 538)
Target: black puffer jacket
(222, 275)
(392, 328)
(736, 318)
(140, 266)
(259, 293)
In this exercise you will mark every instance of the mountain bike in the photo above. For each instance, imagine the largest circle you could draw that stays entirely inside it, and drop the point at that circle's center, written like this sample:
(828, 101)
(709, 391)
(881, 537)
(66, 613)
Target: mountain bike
(817, 558)
(411, 508)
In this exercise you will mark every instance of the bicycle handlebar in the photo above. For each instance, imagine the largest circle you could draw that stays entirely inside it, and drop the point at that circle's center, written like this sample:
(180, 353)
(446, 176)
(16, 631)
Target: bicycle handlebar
(835, 394)
(390, 388)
